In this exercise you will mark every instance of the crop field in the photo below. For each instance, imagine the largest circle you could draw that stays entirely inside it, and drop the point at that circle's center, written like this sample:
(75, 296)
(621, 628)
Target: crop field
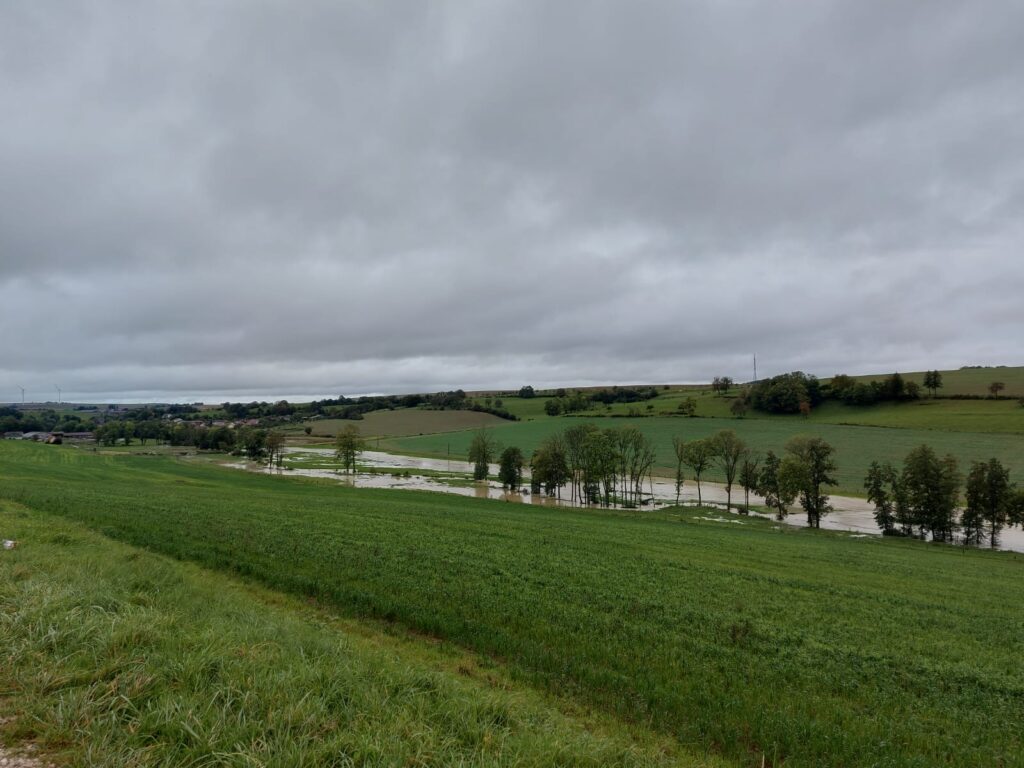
(856, 446)
(407, 421)
(987, 416)
(738, 639)
(112, 655)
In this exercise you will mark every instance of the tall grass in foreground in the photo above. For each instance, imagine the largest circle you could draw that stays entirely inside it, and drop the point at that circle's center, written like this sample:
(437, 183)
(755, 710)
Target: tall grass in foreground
(740, 637)
(111, 656)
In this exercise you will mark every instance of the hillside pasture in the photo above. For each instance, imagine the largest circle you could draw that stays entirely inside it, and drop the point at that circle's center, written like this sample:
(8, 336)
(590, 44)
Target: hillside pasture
(968, 381)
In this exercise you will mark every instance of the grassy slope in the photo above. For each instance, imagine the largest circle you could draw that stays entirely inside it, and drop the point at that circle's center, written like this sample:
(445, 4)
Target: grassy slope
(116, 656)
(856, 446)
(971, 381)
(814, 648)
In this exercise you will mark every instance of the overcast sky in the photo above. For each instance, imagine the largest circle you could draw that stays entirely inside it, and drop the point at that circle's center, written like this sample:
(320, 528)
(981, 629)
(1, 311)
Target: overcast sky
(202, 200)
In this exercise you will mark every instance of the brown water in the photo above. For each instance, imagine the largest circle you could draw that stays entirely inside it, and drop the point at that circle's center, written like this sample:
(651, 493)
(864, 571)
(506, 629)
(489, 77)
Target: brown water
(849, 514)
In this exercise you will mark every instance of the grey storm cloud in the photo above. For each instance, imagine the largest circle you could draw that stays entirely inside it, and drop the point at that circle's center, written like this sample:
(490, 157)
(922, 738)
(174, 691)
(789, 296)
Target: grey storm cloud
(202, 200)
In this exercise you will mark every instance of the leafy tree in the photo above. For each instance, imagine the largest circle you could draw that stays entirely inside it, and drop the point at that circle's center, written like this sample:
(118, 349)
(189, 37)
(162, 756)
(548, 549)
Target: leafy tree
(995, 388)
(882, 485)
(698, 457)
(633, 456)
(510, 468)
(254, 443)
(348, 445)
(729, 450)
(749, 477)
(1016, 507)
(527, 392)
(552, 407)
(933, 381)
(688, 406)
(575, 455)
(930, 491)
(972, 519)
(840, 385)
(989, 497)
(784, 393)
(598, 466)
(548, 467)
(814, 465)
(893, 387)
(274, 445)
(739, 407)
(777, 485)
(482, 450)
(679, 449)
(721, 385)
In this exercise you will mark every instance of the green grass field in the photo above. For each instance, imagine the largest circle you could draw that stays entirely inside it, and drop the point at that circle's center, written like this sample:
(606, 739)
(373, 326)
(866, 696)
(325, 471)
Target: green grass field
(856, 446)
(405, 421)
(971, 381)
(985, 416)
(742, 640)
(115, 656)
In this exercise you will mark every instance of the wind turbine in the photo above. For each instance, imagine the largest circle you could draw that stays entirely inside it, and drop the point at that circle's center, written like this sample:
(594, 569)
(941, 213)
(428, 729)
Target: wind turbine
(22, 394)
(58, 393)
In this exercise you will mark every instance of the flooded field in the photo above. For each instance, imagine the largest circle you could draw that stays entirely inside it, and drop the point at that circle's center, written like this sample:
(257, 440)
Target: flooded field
(849, 513)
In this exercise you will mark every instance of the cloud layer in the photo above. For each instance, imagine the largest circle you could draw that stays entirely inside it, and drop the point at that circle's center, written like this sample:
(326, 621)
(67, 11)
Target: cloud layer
(263, 199)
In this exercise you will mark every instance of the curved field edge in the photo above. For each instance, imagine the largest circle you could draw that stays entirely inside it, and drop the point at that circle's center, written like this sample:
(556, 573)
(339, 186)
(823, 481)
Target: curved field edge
(741, 637)
(117, 656)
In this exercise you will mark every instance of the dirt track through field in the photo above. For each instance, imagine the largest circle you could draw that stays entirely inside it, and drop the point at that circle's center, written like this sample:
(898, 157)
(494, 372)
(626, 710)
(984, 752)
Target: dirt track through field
(10, 759)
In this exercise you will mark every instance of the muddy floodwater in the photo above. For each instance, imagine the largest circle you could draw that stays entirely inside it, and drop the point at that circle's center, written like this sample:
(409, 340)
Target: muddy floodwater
(849, 514)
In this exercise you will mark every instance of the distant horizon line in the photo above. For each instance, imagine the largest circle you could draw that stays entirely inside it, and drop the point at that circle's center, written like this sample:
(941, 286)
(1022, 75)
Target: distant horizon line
(297, 398)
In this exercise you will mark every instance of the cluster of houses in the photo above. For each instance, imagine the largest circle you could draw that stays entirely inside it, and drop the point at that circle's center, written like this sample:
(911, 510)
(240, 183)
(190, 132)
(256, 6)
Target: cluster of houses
(199, 424)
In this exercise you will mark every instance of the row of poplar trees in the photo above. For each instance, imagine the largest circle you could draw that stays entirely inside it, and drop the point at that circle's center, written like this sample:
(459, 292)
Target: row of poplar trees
(923, 498)
(600, 466)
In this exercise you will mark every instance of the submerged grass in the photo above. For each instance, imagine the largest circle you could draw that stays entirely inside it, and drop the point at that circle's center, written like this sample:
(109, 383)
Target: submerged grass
(749, 640)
